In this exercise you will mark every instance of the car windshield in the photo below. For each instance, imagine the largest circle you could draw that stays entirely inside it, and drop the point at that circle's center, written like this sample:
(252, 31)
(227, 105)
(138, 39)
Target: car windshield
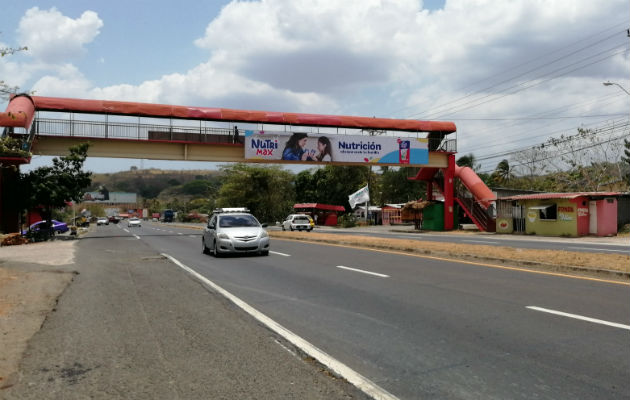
(237, 221)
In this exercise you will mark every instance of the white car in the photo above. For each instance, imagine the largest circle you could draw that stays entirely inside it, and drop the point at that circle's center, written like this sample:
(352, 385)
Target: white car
(234, 230)
(300, 222)
(102, 221)
(131, 222)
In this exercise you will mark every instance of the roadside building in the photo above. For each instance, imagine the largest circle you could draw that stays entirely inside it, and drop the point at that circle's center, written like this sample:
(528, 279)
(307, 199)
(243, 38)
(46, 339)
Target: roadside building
(322, 214)
(113, 202)
(374, 214)
(392, 214)
(559, 214)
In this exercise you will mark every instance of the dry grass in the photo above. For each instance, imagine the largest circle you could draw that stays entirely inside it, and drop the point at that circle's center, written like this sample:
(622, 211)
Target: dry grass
(559, 260)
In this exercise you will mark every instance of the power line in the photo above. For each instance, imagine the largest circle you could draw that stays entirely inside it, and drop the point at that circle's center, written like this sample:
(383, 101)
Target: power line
(536, 82)
(518, 76)
(556, 155)
(506, 153)
(517, 66)
(540, 118)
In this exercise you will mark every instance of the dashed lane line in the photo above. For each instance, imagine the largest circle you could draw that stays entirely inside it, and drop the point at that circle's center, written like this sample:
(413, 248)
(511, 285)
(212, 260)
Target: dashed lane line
(580, 317)
(280, 254)
(363, 271)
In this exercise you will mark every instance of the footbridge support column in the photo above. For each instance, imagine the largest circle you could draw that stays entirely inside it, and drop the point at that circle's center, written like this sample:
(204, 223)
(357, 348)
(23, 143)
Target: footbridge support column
(449, 193)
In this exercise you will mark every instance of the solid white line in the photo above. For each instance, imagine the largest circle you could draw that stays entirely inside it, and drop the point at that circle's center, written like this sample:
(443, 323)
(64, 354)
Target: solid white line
(280, 254)
(614, 251)
(361, 382)
(580, 317)
(125, 230)
(363, 272)
(137, 237)
(480, 241)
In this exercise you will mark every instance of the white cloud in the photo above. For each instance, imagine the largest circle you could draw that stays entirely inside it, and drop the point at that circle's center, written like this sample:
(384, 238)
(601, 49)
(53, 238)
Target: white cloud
(378, 57)
(64, 81)
(53, 37)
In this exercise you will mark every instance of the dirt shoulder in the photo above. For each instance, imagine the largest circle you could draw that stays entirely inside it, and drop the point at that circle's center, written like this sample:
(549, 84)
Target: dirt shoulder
(32, 277)
(598, 264)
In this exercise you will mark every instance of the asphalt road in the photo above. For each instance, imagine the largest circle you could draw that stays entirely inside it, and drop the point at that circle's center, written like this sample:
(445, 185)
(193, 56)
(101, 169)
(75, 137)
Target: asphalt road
(424, 328)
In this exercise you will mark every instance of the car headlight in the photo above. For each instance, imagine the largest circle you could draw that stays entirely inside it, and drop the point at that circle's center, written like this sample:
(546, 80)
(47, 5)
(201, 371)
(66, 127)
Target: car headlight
(264, 234)
(223, 236)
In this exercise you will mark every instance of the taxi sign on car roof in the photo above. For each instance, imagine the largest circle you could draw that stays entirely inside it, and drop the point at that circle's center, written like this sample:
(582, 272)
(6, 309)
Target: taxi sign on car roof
(231, 210)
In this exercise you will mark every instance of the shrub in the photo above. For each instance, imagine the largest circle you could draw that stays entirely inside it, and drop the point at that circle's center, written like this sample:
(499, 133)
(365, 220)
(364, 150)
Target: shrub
(347, 221)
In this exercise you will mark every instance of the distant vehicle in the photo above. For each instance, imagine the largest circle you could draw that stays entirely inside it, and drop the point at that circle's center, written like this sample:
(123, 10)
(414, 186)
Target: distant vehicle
(81, 221)
(234, 230)
(131, 222)
(102, 221)
(300, 222)
(114, 219)
(57, 226)
(168, 215)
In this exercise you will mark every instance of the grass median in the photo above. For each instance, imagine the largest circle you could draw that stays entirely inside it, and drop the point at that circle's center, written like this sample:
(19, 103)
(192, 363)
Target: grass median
(616, 265)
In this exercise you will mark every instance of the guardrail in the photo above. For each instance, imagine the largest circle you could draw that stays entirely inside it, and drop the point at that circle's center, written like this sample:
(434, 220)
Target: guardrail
(119, 130)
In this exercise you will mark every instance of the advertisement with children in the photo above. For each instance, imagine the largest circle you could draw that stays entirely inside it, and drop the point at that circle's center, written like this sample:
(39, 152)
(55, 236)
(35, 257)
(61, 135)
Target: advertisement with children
(323, 148)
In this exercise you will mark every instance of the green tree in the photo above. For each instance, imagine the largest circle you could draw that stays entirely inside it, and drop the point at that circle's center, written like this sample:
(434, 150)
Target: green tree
(395, 186)
(53, 186)
(200, 187)
(333, 184)
(468, 160)
(305, 187)
(268, 192)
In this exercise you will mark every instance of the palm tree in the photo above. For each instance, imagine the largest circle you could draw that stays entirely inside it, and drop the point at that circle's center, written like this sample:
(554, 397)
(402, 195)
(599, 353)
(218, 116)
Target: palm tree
(503, 172)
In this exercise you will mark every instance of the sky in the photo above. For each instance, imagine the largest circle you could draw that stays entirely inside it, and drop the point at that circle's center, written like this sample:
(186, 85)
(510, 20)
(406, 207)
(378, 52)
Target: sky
(510, 73)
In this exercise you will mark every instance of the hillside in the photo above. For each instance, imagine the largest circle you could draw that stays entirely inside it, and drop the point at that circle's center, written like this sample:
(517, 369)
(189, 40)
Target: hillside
(150, 183)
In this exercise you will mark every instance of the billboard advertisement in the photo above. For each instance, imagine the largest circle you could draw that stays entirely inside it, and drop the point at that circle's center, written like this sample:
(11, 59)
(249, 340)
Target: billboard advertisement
(314, 148)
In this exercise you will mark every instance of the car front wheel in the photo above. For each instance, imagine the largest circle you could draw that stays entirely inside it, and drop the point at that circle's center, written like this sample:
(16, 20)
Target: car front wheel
(204, 248)
(215, 250)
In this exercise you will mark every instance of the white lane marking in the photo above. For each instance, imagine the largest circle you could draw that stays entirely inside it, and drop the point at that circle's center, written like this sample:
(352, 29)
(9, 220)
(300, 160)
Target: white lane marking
(125, 230)
(179, 233)
(580, 317)
(480, 241)
(280, 254)
(136, 236)
(361, 382)
(614, 251)
(363, 272)
(192, 236)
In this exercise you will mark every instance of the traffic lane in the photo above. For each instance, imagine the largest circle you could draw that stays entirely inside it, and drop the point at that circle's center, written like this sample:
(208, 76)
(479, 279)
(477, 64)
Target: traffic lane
(298, 296)
(567, 245)
(498, 241)
(513, 332)
(582, 296)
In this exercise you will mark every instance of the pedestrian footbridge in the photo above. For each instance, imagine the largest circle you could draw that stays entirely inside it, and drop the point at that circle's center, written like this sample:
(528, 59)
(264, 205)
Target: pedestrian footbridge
(49, 126)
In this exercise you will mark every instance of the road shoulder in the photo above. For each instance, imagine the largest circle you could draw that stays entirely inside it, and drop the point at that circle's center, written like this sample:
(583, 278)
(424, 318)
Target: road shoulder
(32, 277)
(133, 325)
